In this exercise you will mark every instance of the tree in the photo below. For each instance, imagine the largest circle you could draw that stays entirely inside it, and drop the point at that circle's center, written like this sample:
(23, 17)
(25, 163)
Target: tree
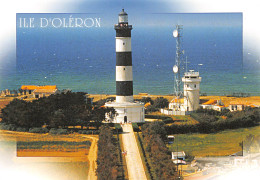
(58, 119)
(20, 90)
(99, 115)
(84, 118)
(146, 100)
(15, 113)
(161, 102)
(156, 149)
(107, 167)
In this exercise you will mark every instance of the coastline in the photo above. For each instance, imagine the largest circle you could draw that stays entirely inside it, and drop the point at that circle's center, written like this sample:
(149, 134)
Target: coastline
(251, 100)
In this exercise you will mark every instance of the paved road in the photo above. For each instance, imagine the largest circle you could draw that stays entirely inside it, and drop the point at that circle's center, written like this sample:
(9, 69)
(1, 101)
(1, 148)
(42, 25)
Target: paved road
(133, 159)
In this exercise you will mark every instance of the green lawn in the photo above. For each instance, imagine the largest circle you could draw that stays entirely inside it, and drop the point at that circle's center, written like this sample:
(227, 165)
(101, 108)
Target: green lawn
(181, 120)
(218, 144)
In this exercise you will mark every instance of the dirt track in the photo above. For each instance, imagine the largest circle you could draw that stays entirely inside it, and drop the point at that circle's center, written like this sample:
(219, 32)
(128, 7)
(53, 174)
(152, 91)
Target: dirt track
(92, 157)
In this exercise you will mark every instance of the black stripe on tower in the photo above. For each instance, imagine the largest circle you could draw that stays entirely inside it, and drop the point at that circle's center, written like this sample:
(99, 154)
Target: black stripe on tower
(124, 88)
(123, 33)
(123, 30)
(124, 59)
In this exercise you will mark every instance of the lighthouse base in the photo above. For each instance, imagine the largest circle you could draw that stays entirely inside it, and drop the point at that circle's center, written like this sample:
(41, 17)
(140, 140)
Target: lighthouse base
(126, 112)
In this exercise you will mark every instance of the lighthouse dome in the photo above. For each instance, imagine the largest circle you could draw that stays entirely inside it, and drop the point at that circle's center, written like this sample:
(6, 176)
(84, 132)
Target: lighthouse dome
(122, 12)
(122, 17)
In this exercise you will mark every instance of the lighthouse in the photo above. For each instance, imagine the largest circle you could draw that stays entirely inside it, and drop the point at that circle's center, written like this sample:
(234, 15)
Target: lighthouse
(124, 73)
(126, 109)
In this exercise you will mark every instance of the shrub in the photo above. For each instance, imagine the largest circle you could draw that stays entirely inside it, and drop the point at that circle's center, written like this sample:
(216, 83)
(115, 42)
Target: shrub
(1, 126)
(189, 157)
(96, 132)
(62, 131)
(9, 127)
(151, 109)
(21, 129)
(58, 131)
(88, 132)
(135, 127)
(168, 120)
(53, 131)
(38, 130)
(81, 131)
(118, 128)
(161, 102)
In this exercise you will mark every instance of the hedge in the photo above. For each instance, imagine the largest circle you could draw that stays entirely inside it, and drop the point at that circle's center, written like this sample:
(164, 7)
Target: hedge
(135, 127)
(118, 128)
(38, 130)
(58, 131)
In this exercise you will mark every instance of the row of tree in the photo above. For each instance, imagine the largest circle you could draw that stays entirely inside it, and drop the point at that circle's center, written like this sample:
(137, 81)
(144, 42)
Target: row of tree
(154, 135)
(210, 121)
(60, 110)
(154, 105)
(107, 167)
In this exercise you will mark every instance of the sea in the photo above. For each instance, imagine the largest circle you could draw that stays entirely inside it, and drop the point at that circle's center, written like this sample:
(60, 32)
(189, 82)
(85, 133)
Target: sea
(84, 59)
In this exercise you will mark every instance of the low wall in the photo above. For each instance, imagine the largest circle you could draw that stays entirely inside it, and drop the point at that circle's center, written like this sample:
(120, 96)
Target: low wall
(171, 112)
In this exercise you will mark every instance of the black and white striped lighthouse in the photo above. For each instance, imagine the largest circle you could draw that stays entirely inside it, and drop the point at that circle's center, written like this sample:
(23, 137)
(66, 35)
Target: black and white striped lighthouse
(124, 74)
(126, 109)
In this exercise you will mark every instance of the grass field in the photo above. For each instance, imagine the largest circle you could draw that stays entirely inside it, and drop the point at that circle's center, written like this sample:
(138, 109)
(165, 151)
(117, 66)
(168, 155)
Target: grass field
(218, 144)
(50, 156)
(177, 120)
(184, 120)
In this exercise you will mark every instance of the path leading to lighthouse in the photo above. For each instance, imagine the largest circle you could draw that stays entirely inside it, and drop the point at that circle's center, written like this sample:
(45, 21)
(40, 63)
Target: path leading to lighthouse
(133, 159)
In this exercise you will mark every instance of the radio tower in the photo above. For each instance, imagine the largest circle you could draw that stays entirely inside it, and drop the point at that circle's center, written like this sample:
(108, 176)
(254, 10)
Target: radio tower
(178, 67)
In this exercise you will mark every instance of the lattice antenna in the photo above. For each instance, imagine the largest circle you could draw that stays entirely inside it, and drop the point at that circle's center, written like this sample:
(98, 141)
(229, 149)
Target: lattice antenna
(178, 67)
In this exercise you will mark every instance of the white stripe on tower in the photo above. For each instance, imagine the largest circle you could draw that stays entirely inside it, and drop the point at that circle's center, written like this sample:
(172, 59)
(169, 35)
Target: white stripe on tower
(123, 44)
(124, 73)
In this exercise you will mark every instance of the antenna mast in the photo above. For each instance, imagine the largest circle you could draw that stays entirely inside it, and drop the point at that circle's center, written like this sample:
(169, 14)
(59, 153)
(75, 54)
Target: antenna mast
(177, 68)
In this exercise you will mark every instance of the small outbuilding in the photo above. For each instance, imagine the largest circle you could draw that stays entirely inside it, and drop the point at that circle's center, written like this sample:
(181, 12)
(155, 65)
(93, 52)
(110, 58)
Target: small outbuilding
(170, 139)
(28, 89)
(178, 155)
(44, 92)
(236, 107)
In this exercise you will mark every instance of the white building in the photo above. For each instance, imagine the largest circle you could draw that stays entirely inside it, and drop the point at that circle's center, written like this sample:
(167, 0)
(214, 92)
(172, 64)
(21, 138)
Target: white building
(216, 105)
(191, 81)
(127, 112)
(190, 102)
(178, 155)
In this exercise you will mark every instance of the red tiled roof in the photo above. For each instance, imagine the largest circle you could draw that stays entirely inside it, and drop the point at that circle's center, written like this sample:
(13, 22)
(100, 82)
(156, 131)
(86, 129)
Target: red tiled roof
(34, 87)
(29, 87)
(210, 102)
